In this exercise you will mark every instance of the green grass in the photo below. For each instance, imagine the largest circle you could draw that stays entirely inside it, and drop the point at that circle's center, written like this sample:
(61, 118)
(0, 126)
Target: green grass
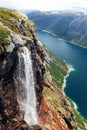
(57, 76)
(4, 33)
(8, 14)
(15, 21)
(57, 69)
(79, 119)
(10, 25)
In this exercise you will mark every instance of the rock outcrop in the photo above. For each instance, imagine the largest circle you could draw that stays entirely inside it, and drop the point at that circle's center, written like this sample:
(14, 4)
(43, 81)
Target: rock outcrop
(21, 33)
(54, 111)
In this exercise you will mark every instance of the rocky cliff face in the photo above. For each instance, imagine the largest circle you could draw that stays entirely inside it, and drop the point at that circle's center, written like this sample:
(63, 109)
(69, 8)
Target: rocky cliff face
(16, 31)
(54, 111)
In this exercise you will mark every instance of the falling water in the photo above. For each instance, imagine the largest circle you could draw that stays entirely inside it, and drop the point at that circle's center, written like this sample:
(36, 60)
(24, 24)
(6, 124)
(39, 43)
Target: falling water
(26, 84)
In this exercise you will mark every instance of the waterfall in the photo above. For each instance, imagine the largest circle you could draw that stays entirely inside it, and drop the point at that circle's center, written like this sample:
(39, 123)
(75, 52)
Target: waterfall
(26, 86)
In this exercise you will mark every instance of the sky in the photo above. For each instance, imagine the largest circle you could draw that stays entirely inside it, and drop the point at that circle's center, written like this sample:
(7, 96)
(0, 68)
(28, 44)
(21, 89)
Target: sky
(43, 4)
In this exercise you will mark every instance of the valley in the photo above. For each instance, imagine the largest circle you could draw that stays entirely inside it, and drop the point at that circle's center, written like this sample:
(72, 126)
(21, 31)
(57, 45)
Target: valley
(68, 25)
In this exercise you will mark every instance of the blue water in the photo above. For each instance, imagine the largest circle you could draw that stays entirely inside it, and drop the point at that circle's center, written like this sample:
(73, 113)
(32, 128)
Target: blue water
(76, 87)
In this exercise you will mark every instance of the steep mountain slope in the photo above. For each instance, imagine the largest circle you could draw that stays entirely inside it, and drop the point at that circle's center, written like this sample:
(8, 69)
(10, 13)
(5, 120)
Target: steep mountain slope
(71, 26)
(54, 111)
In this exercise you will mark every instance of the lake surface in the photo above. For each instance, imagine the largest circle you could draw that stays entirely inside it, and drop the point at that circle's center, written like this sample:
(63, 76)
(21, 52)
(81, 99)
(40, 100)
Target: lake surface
(76, 87)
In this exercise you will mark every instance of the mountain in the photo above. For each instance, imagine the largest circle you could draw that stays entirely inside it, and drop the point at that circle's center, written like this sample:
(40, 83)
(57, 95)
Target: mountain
(69, 25)
(28, 80)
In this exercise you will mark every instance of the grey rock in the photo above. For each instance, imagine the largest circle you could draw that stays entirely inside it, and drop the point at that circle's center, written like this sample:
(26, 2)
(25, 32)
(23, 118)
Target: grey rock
(16, 39)
(10, 47)
(35, 127)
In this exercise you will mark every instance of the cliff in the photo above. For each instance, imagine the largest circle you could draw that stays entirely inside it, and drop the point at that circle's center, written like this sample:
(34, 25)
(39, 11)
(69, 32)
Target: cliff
(56, 108)
(53, 109)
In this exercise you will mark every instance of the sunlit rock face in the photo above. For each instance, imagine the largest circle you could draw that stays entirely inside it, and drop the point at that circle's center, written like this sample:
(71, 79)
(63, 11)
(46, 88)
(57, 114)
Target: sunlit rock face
(49, 118)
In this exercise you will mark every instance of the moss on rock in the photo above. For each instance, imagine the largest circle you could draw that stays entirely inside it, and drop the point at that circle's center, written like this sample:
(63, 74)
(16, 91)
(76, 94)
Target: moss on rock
(4, 33)
(12, 21)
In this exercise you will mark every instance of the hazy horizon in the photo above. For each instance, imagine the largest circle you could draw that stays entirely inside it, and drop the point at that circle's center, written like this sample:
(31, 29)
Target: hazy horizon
(43, 5)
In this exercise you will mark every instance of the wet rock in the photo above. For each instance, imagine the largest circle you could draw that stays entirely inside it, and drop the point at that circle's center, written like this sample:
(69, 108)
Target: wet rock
(35, 127)
(3, 111)
(38, 66)
(8, 64)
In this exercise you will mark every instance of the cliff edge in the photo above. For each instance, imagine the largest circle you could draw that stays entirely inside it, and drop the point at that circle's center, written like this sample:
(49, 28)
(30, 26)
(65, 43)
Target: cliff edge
(53, 109)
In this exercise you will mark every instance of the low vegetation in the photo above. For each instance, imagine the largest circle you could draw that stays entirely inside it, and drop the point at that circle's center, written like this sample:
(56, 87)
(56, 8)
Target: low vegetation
(79, 119)
(4, 33)
(13, 21)
(58, 69)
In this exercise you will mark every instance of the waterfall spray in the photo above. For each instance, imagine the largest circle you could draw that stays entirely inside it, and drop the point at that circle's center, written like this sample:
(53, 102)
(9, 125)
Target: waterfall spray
(26, 86)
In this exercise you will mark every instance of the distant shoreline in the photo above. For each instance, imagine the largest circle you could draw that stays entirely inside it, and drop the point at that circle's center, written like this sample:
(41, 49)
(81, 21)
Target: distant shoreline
(69, 42)
(70, 69)
(49, 32)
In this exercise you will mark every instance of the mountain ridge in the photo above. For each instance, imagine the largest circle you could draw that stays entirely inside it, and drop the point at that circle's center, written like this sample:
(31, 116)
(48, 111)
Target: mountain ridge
(70, 26)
